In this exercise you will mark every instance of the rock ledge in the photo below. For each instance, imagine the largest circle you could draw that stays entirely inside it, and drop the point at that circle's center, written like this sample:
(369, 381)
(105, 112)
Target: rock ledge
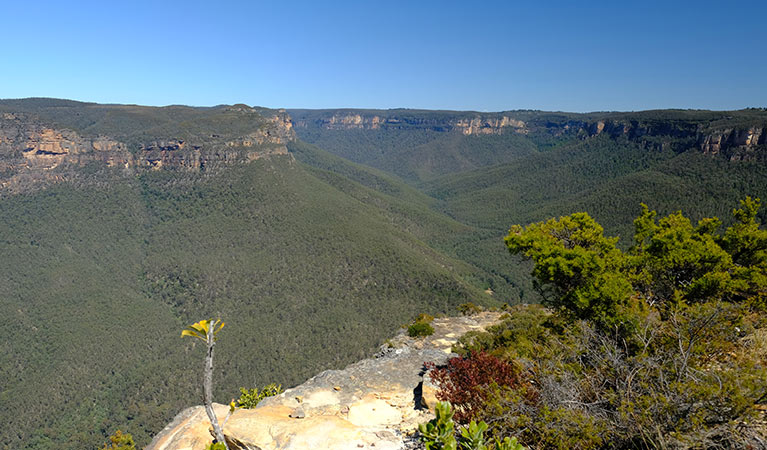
(375, 403)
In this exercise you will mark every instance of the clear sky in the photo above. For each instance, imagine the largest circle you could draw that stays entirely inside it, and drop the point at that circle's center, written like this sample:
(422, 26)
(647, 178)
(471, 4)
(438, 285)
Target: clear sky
(479, 55)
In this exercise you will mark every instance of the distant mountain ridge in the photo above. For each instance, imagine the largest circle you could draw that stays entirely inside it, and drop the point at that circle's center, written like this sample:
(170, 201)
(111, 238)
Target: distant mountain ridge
(734, 134)
(48, 139)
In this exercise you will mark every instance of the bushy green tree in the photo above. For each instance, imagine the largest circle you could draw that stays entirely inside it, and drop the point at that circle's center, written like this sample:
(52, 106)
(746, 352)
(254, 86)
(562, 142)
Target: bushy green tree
(577, 269)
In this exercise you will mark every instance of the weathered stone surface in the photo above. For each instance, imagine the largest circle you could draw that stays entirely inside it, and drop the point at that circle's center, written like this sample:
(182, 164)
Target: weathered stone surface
(428, 392)
(374, 403)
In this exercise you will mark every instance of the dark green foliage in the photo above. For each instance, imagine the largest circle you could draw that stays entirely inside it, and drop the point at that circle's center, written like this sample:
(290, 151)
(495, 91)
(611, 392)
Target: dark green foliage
(299, 257)
(419, 214)
(525, 333)
(138, 125)
(606, 175)
(250, 398)
(420, 329)
(577, 268)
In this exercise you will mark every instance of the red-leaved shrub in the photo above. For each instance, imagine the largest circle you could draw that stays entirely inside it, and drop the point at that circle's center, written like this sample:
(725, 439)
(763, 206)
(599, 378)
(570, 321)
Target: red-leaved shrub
(464, 382)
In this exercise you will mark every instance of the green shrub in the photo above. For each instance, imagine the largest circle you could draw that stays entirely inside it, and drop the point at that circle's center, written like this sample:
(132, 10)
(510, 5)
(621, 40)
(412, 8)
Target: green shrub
(508, 444)
(421, 326)
(250, 398)
(420, 329)
(473, 436)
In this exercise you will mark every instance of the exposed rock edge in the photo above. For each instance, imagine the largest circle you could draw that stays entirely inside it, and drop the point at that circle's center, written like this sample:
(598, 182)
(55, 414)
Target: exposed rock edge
(376, 403)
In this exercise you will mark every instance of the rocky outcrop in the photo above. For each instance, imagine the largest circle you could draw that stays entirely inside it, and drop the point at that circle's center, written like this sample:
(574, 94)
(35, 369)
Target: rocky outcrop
(479, 125)
(470, 124)
(376, 403)
(35, 152)
(734, 143)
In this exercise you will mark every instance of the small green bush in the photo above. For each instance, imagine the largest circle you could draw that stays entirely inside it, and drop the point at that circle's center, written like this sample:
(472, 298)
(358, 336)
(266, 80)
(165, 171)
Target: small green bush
(420, 329)
(421, 326)
(250, 398)
(473, 436)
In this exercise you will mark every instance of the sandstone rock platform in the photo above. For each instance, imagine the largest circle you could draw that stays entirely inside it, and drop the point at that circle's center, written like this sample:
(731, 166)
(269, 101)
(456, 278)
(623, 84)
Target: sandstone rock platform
(376, 403)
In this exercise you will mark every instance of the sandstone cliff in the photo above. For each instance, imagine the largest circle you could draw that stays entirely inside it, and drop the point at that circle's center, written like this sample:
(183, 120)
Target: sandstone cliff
(36, 149)
(468, 124)
(376, 403)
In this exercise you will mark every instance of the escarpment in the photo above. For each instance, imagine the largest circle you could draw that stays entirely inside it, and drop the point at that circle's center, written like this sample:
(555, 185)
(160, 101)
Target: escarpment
(734, 135)
(466, 124)
(42, 147)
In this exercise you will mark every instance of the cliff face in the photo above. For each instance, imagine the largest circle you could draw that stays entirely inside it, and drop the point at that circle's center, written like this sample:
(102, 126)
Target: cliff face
(35, 151)
(474, 124)
(733, 143)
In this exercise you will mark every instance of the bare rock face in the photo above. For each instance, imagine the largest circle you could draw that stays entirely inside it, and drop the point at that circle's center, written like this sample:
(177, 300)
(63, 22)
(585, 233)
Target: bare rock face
(480, 125)
(35, 152)
(733, 143)
(475, 124)
(375, 403)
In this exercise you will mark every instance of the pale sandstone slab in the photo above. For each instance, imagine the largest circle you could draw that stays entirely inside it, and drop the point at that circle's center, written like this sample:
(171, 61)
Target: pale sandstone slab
(373, 412)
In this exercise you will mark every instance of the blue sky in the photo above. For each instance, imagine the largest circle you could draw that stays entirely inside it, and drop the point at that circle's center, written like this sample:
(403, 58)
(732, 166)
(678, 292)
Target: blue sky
(487, 56)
